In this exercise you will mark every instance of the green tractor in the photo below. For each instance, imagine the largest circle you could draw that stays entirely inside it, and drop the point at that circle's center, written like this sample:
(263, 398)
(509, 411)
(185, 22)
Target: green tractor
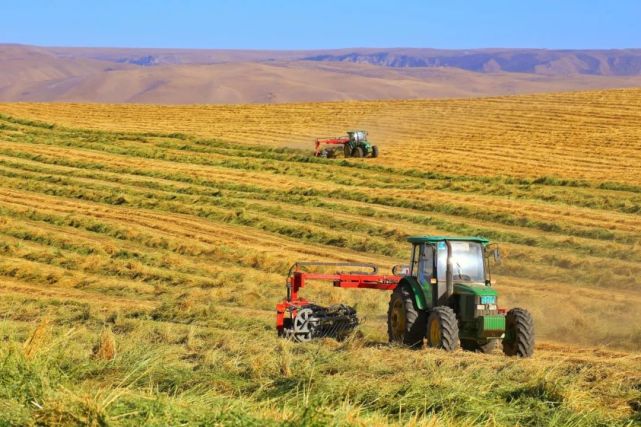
(446, 297)
(354, 144)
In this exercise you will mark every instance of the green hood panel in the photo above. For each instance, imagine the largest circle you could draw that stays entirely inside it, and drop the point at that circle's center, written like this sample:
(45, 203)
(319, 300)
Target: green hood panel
(478, 289)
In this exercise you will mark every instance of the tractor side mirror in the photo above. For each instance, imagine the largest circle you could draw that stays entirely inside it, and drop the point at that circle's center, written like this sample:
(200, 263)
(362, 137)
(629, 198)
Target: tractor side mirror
(401, 270)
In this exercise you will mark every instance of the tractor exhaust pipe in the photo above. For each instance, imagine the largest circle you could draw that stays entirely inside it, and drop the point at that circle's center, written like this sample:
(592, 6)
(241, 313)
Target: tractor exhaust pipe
(449, 279)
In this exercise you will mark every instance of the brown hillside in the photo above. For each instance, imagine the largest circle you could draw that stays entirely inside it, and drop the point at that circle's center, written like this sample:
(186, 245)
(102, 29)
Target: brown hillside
(183, 77)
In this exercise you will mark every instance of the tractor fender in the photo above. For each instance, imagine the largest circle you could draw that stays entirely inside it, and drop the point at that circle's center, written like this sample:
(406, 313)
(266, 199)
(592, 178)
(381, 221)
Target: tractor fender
(412, 284)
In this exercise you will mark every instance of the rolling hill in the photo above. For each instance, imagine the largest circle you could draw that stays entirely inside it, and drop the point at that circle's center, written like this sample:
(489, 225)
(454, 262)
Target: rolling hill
(621, 62)
(144, 247)
(218, 76)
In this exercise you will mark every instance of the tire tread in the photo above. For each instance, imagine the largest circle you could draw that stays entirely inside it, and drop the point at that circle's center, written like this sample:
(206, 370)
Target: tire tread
(449, 327)
(523, 345)
(416, 319)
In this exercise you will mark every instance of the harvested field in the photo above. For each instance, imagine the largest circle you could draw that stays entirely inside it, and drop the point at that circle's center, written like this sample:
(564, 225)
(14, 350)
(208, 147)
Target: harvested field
(172, 228)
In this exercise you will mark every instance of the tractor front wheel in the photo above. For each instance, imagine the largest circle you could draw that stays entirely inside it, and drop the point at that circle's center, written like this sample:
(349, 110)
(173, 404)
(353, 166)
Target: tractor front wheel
(519, 333)
(374, 151)
(358, 152)
(442, 329)
(405, 322)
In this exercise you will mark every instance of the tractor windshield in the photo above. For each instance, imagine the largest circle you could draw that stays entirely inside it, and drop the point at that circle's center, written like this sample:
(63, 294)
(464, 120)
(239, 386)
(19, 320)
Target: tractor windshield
(467, 261)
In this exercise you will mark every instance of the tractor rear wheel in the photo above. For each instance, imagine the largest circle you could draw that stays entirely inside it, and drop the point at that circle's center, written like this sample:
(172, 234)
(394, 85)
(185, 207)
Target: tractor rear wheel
(358, 152)
(405, 322)
(374, 151)
(473, 345)
(442, 329)
(519, 333)
(347, 150)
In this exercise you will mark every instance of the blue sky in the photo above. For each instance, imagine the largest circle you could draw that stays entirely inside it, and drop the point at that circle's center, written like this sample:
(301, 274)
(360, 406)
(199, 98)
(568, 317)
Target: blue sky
(318, 24)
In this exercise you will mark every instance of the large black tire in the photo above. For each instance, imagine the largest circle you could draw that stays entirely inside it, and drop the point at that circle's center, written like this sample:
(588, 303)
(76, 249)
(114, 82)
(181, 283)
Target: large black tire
(405, 322)
(519, 333)
(473, 345)
(442, 329)
(374, 151)
(358, 152)
(347, 150)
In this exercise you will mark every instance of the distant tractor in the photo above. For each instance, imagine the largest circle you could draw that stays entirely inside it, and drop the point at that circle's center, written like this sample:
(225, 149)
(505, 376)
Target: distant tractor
(354, 144)
(444, 298)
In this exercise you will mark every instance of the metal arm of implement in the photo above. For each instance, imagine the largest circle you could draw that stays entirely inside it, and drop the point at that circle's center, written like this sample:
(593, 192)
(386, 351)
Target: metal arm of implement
(353, 279)
(330, 141)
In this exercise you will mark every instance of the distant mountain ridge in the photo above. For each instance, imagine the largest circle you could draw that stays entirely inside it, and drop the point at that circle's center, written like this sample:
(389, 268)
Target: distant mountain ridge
(535, 61)
(184, 76)
(614, 62)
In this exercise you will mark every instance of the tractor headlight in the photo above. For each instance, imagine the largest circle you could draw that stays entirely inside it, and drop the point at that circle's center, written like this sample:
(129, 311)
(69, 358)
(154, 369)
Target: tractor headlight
(488, 299)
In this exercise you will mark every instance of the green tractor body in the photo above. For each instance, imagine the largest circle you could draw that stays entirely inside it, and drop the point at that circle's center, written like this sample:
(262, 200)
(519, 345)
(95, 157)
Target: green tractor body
(358, 145)
(446, 295)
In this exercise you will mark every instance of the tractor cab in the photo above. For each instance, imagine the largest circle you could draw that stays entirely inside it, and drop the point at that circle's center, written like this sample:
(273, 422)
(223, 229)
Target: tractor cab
(357, 136)
(440, 263)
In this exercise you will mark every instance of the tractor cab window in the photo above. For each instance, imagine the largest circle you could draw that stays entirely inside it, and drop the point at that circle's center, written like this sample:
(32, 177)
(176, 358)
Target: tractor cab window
(467, 261)
(426, 264)
(441, 261)
(414, 267)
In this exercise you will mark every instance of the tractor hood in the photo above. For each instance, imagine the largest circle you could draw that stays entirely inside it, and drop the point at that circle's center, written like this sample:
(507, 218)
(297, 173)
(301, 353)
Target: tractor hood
(478, 289)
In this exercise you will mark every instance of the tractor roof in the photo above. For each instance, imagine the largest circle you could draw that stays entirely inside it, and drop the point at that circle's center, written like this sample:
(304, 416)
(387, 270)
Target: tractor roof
(434, 239)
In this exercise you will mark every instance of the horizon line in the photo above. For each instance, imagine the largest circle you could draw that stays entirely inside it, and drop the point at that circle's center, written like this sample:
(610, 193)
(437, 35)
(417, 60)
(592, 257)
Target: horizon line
(312, 48)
